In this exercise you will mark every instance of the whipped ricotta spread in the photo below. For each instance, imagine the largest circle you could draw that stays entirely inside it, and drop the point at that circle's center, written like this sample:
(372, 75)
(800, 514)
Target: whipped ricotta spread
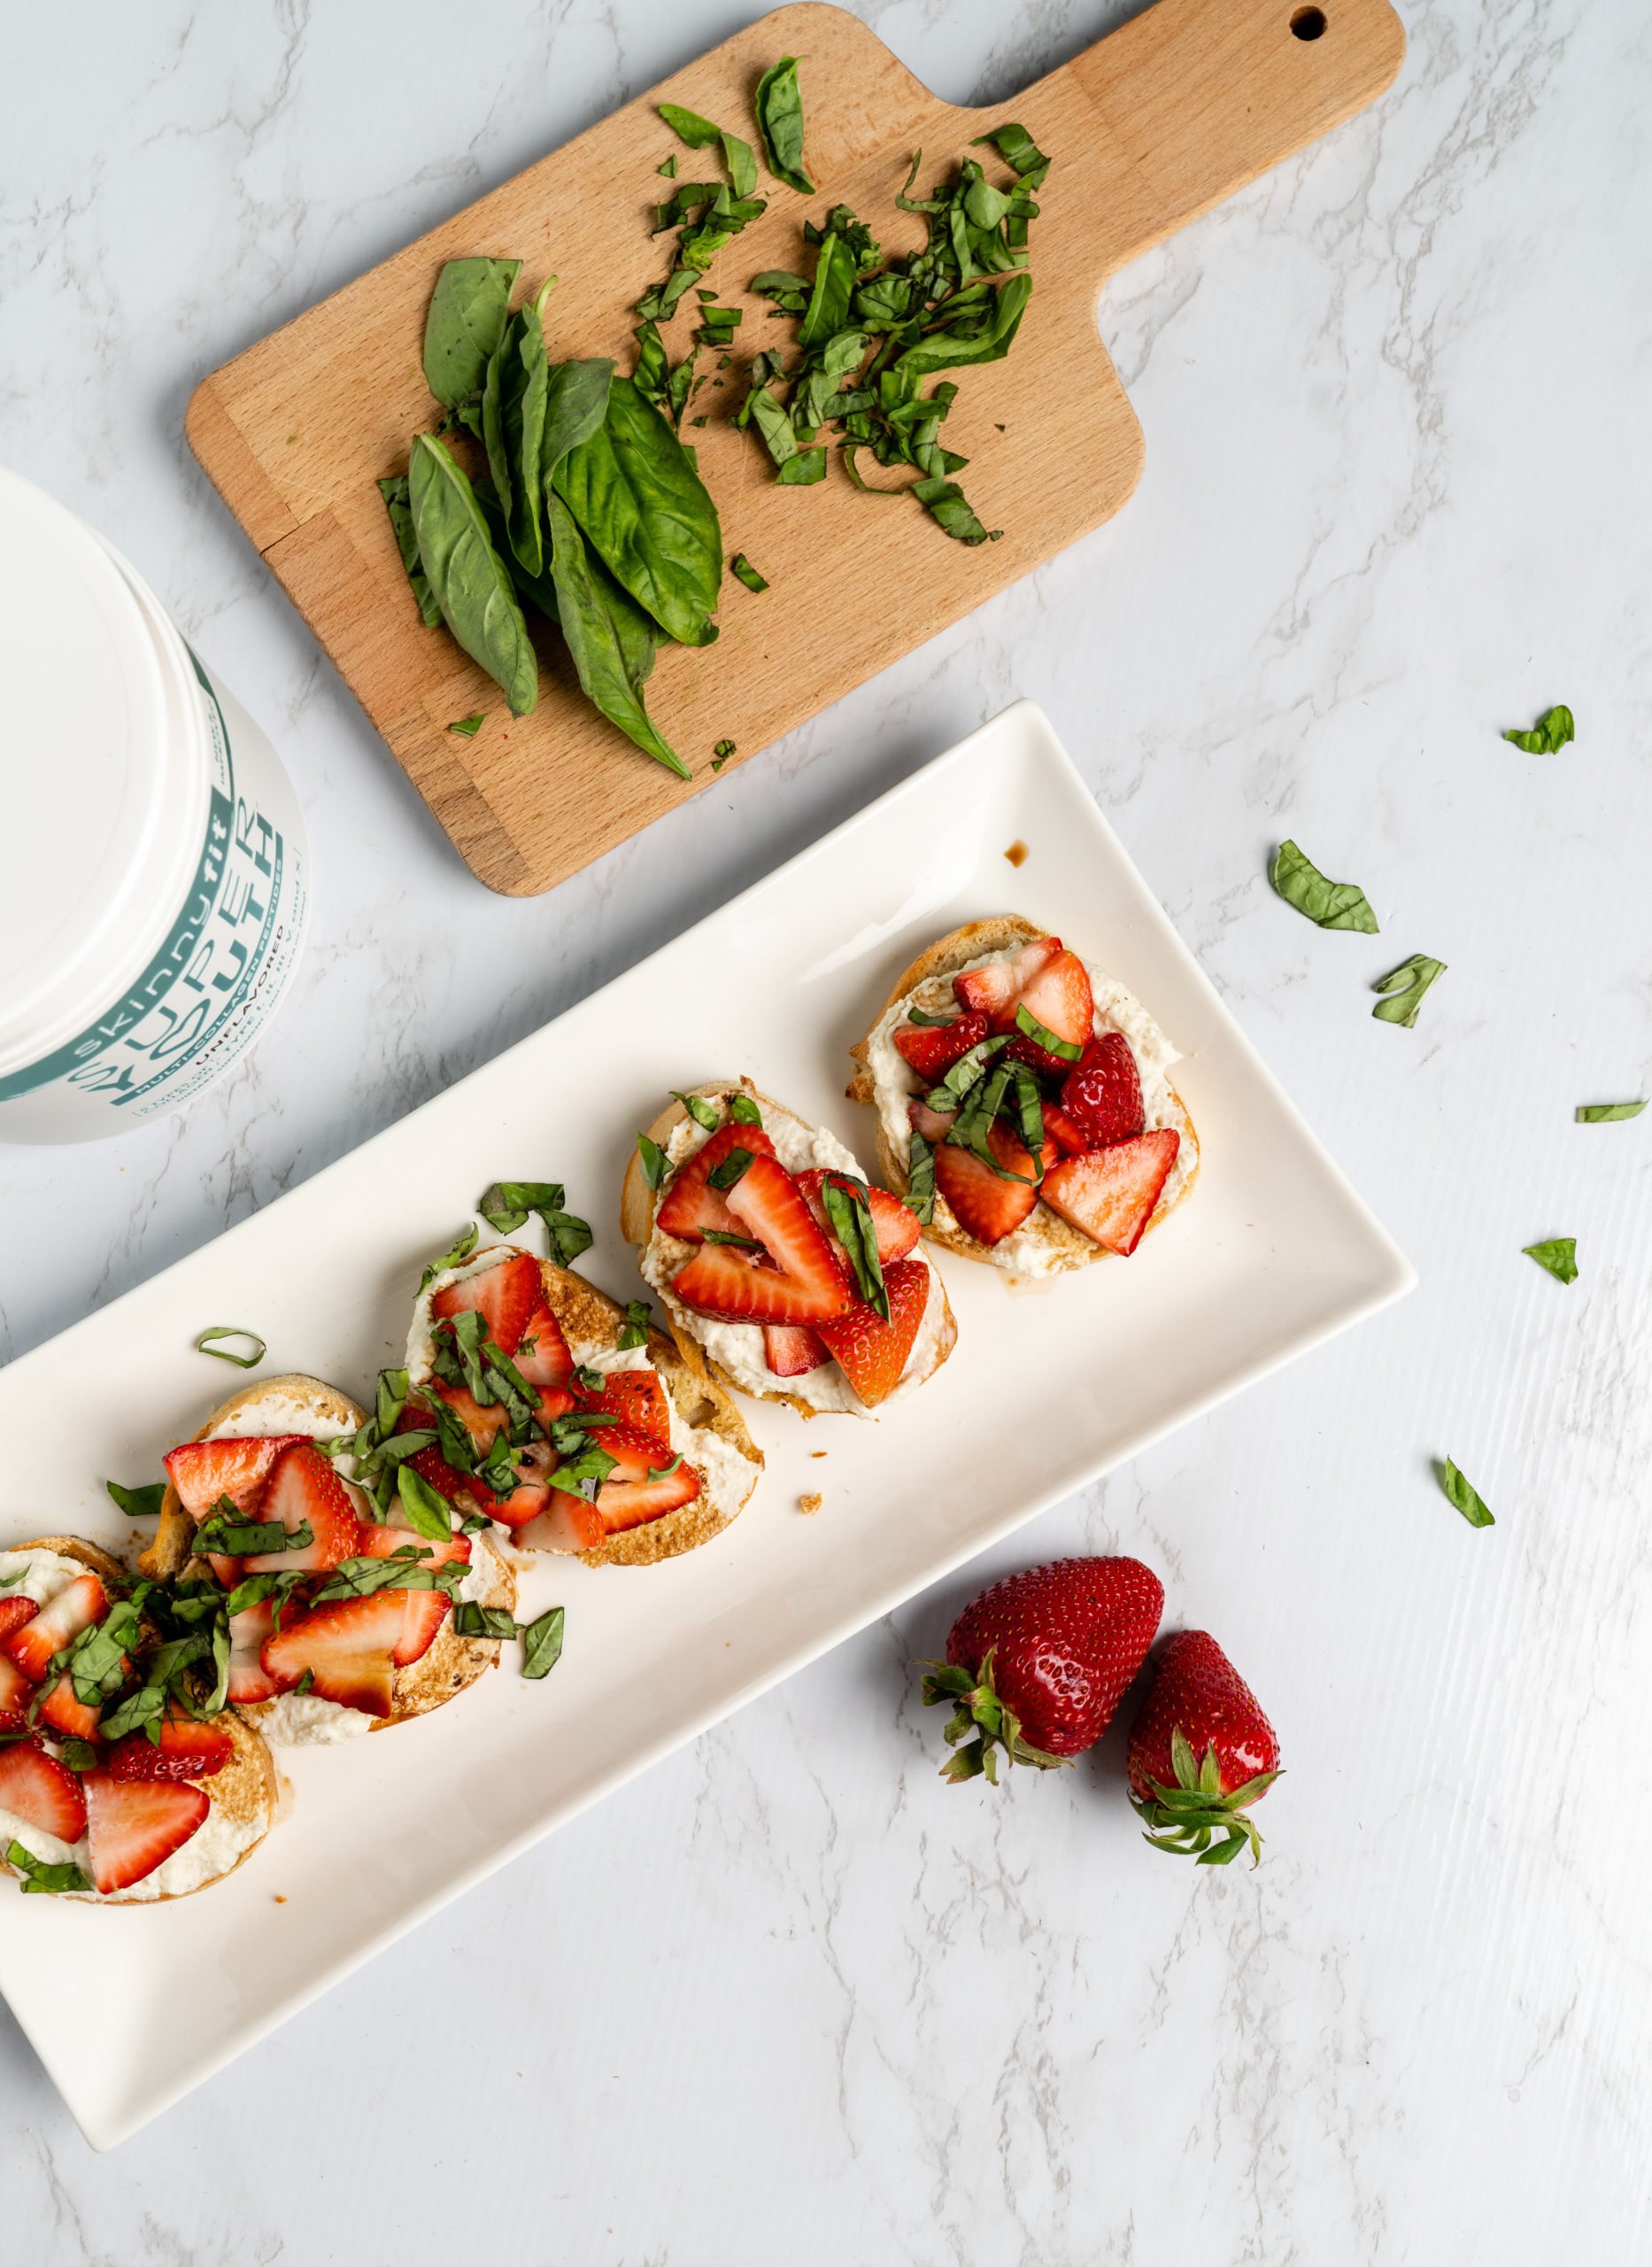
(1044, 1244)
(738, 1347)
(43, 1572)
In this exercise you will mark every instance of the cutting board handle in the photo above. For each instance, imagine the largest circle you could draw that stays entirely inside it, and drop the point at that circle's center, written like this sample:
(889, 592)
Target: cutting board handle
(1196, 97)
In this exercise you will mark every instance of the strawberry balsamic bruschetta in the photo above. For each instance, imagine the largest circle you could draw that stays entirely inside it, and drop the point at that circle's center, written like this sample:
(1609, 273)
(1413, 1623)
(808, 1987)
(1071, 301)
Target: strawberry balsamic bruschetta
(782, 1271)
(124, 1778)
(1024, 1103)
(343, 1617)
(570, 1420)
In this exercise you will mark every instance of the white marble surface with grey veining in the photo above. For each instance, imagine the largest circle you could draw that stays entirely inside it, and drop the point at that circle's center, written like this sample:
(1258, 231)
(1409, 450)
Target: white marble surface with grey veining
(787, 1997)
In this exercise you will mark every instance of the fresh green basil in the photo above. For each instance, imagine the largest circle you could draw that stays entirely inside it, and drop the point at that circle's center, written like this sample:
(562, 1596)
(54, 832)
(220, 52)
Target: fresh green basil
(1606, 1113)
(830, 294)
(1332, 905)
(946, 503)
(577, 402)
(41, 1878)
(468, 314)
(652, 1158)
(958, 347)
(670, 169)
(700, 134)
(1019, 153)
(425, 1509)
(744, 1111)
(1559, 1255)
(665, 1470)
(542, 1644)
(803, 469)
(207, 1344)
(460, 1252)
(725, 1175)
(471, 1620)
(645, 512)
(138, 1502)
(396, 503)
(703, 1112)
(964, 1073)
(1041, 1036)
(508, 1204)
(471, 583)
(634, 1329)
(849, 1210)
(229, 1534)
(1407, 985)
(721, 753)
(468, 727)
(1554, 727)
(514, 404)
(748, 573)
(920, 1197)
(779, 107)
(1462, 1497)
(609, 637)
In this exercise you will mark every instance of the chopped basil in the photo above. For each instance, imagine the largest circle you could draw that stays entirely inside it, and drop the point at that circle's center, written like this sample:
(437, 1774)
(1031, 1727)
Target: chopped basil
(593, 1381)
(1462, 1497)
(1029, 1111)
(542, 1644)
(468, 727)
(1559, 1255)
(473, 1621)
(664, 1471)
(849, 1210)
(921, 1017)
(423, 1508)
(725, 1175)
(652, 1160)
(634, 1329)
(964, 1073)
(78, 1754)
(1407, 985)
(228, 1533)
(779, 108)
(1554, 727)
(1041, 1036)
(362, 1577)
(508, 1203)
(456, 1257)
(207, 1344)
(1606, 1113)
(138, 1502)
(744, 1111)
(1332, 905)
(40, 1878)
(726, 1236)
(748, 573)
(305, 1682)
(721, 753)
(703, 1112)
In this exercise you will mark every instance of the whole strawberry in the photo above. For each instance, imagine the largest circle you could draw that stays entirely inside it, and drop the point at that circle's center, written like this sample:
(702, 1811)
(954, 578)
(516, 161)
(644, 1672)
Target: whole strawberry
(1201, 1753)
(1038, 1664)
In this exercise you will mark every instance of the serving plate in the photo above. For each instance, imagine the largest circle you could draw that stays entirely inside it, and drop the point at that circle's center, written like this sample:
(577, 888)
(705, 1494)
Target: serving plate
(1273, 1252)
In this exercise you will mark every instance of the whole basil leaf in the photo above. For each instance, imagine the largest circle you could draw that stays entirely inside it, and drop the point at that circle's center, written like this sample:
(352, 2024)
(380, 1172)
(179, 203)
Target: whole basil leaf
(779, 108)
(467, 319)
(396, 503)
(577, 401)
(1332, 905)
(607, 636)
(472, 583)
(514, 402)
(635, 494)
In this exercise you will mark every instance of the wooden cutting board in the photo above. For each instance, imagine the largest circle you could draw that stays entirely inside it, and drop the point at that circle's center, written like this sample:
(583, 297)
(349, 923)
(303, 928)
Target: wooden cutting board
(1151, 127)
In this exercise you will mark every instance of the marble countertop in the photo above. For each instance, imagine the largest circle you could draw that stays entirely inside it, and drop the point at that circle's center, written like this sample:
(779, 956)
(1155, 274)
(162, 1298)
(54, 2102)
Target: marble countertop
(788, 1996)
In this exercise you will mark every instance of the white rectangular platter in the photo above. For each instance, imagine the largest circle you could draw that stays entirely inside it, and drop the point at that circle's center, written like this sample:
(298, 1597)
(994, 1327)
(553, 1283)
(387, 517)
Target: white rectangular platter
(1272, 1254)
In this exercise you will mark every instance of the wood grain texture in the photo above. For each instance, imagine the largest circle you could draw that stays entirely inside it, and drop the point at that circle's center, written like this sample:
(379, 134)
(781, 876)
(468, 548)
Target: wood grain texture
(1151, 127)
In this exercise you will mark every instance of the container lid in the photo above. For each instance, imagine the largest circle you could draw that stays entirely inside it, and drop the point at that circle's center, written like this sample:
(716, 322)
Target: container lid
(104, 782)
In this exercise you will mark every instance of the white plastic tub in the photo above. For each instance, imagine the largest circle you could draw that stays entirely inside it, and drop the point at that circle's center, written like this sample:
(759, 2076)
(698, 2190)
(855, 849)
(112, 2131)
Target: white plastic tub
(153, 884)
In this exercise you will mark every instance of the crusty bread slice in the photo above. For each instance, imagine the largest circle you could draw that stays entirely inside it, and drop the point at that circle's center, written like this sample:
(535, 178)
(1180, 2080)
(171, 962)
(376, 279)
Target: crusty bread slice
(451, 1663)
(636, 1225)
(590, 1317)
(248, 1788)
(1001, 932)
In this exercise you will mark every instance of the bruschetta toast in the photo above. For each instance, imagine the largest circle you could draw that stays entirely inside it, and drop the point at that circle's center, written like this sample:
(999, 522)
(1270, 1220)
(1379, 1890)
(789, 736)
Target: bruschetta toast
(113, 1789)
(782, 1273)
(345, 1616)
(571, 1421)
(1024, 1103)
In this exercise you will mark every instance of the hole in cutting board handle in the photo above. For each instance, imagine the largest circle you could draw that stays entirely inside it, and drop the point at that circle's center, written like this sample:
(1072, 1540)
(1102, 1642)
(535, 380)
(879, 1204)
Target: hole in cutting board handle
(1309, 23)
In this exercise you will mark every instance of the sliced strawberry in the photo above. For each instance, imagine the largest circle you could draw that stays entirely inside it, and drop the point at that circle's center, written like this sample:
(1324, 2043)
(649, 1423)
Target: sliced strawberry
(635, 1399)
(565, 1523)
(896, 1224)
(934, 1124)
(1061, 1132)
(1103, 1093)
(426, 1610)
(204, 1472)
(348, 1648)
(629, 1497)
(791, 1351)
(726, 1283)
(542, 1357)
(249, 1679)
(691, 1205)
(1110, 1195)
(36, 1788)
(14, 1611)
(993, 989)
(872, 1353)
(303, 1486)
(932, 1049)
(64, 1712)
(136, 1824)
(770, 1205)
(422, 1624)
(76, 1607)
(504, 1296)
(187, 1749)
(1059, 997)
(985, 1206)
(16, 1692)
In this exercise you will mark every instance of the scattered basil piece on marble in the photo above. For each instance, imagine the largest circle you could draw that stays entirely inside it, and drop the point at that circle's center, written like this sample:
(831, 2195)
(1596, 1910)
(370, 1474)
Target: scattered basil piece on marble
(508, 1204)
(468, 311)
(1332, 905)
(138, 1502)
(748, 573)
(779, 107)
(634, 1329)
(1559, 1255)
(1606, 1113)
(542, 1644)
(703, 1112)
(652, 1158)
(920, 1196)
(1550, 734)
(1462, 1497)
(1406, 986)
(207, 1344)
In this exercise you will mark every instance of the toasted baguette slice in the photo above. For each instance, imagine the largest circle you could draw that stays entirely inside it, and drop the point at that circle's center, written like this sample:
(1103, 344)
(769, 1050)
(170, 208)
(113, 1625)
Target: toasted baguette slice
(451, 1661)
(636, 1225)
(247, 1790)
(1002, 933)
(590, 1318)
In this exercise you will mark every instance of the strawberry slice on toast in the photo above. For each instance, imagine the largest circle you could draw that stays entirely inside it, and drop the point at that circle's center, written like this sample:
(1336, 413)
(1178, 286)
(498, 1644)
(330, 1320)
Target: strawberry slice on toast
(507, 1297)
(347, 1647)
(303, 1487)
(791, 1351)
(16, 1692)
(249, 1679)
(932, 1049)
(76, 1607)
(691, 1205)
(185, 1748)
(1110, 1195)
(992, 991)
(873, 1354)
(640, 1488)
(66, 1711)
(987, 1205)
(205, 1472)
(426, 1610)
(896, 1224)
(1101, 1095)
(635, 1399)
(42, 1791)
(134, 1825)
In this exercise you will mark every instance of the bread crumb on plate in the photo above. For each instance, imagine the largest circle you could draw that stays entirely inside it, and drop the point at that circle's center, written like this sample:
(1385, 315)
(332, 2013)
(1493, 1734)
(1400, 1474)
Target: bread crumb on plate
(810, 1504)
